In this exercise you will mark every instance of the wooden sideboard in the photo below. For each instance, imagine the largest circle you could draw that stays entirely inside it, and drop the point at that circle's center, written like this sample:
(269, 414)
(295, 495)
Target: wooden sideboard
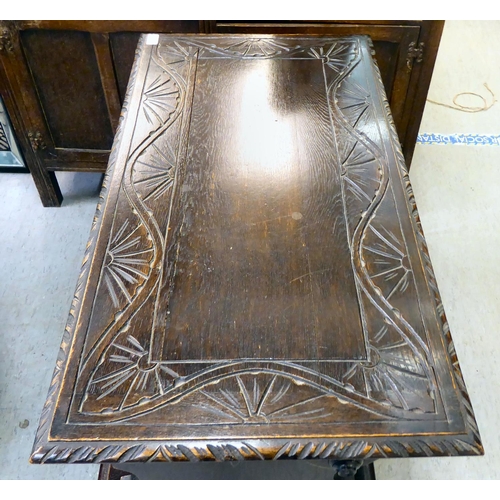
(63, 82)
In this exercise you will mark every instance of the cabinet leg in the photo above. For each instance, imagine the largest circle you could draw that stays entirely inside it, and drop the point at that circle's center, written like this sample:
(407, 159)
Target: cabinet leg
(48, 187)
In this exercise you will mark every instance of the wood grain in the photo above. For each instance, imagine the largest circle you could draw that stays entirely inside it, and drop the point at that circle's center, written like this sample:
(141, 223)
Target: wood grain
(76, 92)
(257, 215)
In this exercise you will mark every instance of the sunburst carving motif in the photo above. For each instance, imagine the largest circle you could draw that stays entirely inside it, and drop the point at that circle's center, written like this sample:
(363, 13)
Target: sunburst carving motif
(334, 57)
(263, 400)
(160, 99)
(157, 172)
(133, 374)
(389, 270)
(354, 101)
(126, 263)
(360, 171)
(394, 376)
(257, 47)
(177, 53)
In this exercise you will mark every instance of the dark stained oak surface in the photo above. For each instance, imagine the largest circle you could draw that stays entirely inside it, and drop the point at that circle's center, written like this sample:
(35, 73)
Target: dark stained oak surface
(256, 283)
(85, 95)
(258, 216)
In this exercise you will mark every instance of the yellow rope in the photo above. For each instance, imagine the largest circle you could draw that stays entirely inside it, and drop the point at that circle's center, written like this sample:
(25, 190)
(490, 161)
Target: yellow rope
(469, 109)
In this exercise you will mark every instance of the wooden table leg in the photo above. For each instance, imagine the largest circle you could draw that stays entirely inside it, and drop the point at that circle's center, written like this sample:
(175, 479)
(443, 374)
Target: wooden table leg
(353, 469)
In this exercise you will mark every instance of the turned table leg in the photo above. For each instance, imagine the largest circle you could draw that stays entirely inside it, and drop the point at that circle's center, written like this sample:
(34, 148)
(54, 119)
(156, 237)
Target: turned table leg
(347, 469)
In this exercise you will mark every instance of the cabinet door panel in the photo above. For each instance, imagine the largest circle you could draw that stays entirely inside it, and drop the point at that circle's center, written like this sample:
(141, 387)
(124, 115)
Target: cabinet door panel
(123, 47)
(66, 75)
(386, 54)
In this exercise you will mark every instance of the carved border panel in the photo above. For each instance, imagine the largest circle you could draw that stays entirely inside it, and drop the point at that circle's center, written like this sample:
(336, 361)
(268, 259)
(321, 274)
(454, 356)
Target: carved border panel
(398, 382)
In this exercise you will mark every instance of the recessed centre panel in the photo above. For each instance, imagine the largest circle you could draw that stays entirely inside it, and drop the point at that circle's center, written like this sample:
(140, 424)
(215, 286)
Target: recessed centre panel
(257, 262)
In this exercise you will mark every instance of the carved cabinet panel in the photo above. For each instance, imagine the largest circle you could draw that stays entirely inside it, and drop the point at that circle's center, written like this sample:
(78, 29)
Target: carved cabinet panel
(256, 283)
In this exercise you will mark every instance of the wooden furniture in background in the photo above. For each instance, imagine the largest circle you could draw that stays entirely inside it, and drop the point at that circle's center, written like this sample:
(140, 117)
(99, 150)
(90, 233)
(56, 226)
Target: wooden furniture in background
(256, 284)
(63, 82)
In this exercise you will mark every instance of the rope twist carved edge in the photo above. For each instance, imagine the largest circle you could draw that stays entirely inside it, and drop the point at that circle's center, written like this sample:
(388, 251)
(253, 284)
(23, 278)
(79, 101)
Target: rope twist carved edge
(248, 450)
(424, 250)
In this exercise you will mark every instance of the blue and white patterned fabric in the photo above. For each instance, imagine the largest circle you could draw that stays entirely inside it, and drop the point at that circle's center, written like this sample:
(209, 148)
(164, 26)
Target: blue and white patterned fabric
(461, 139)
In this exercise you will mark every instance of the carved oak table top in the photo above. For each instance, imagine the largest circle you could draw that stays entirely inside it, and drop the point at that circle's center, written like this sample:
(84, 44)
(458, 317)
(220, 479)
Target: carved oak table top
(256, 283)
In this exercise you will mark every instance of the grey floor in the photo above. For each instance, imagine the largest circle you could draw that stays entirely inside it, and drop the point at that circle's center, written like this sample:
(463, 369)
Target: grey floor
(456, 189)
